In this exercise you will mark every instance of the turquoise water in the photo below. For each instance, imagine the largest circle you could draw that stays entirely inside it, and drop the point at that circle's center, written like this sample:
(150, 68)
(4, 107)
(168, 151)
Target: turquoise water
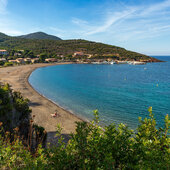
(121, 93)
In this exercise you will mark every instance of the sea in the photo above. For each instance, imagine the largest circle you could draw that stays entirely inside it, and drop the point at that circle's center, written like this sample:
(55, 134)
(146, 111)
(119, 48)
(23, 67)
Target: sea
(120, 92)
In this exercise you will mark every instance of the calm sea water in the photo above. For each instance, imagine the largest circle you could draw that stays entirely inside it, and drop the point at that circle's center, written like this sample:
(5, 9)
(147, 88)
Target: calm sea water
(121, 93)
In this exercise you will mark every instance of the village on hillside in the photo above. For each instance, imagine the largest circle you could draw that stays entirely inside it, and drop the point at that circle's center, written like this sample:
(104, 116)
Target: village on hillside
(20, 57)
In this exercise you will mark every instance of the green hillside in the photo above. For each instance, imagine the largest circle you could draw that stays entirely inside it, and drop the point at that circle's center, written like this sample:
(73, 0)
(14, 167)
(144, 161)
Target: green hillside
(40, 36)
(68, 47)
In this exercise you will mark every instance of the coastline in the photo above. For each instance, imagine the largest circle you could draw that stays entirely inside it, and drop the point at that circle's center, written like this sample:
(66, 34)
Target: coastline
(42, 107)
(51, 101)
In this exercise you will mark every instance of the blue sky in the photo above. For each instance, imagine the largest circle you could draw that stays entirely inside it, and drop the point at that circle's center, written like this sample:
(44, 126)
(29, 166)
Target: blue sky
(138, 25)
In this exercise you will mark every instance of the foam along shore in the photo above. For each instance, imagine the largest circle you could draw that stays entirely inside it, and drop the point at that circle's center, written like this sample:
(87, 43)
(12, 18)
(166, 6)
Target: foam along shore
(42, 108)
(121, 62)
(136, 63)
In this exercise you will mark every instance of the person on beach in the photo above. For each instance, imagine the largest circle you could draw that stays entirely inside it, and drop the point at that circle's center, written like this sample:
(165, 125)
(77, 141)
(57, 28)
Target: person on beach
(54, 114)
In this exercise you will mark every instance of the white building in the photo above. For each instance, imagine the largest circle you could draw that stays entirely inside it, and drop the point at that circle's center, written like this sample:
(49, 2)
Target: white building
(3, 52)
(17, 54)
(12, 61)
(35, 60)
(51, 60)
(78, 53)
(20, 60)
(3, 59)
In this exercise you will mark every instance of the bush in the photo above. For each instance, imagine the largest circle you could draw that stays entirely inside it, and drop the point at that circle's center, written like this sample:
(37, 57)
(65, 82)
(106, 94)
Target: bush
(94, 147)
(14, 155)
(8, 64)
(5, 105)
(1, 63)
(20, 103)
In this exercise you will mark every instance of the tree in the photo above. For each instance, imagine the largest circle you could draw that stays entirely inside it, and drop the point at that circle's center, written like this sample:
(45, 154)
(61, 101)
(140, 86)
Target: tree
(1, 63)
(8, 64)
(43, 56)
(30, 54)
(69, 56)
(12, 52)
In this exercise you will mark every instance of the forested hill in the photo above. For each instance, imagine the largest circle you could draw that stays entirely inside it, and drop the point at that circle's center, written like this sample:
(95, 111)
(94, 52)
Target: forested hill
(40, 36)
(68, 47)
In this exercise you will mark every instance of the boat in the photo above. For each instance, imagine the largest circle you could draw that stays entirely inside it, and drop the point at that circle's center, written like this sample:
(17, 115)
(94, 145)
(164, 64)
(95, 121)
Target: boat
(95, 62)
(112, 62)
(104, 62)
(122, 62)
(136, 63)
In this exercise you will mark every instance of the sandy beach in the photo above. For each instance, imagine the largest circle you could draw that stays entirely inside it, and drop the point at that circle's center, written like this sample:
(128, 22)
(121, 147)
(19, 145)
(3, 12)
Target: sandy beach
(42, 108)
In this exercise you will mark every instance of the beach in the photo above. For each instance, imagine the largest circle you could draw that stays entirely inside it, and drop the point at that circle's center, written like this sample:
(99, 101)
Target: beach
(42, 108)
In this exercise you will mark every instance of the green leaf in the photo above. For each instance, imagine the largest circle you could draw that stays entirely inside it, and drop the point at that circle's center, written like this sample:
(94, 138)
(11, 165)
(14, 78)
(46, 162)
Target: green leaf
(150, 109)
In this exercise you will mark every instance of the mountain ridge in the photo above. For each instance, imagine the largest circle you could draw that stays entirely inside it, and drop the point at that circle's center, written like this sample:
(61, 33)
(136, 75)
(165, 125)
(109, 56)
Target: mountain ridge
(69, 47)
(39, 35)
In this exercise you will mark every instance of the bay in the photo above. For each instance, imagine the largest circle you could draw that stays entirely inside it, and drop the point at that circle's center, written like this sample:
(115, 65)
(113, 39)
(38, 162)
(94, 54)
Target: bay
(121, 93)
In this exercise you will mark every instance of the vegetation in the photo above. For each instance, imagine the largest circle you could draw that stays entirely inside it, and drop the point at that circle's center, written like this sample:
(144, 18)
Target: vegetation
(2, 63)
(14, 109)
(55, 48)
(42, 57)
(6, 64)
(93, 147)
(5, 104)
(39, 35)
(20, 103)
(15, 112)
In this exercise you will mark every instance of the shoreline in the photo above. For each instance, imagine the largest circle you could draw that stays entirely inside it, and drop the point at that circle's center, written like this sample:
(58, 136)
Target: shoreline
(51, 101)
(42, 107)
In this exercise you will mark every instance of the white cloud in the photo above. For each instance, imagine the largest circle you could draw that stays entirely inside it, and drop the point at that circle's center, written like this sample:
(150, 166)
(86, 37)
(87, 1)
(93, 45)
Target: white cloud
(7, 27)
(110, 21)
(156, 7)
(79, 22)
(58, 32)
(130, 22)
(3, 4)
(9, 31)
(13, 32)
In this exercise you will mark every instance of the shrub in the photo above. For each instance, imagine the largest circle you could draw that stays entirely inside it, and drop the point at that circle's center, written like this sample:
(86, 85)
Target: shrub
(94, 147)
(8, 64)
(20, 103)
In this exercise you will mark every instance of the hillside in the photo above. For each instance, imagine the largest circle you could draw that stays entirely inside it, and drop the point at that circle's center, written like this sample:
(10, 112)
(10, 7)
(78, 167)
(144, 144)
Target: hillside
(67, 47)
(3, 37)
(40, 36)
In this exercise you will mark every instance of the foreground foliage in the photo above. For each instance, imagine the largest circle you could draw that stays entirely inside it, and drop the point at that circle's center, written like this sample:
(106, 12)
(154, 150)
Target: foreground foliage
(14, 109)
(93, 147)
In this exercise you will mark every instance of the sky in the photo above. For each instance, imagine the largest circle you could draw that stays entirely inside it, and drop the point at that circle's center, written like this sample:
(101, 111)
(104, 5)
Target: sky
(138, 25)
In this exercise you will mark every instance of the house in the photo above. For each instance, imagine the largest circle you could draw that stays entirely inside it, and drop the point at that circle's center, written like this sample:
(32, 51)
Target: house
(20, 60)
(79, 61)
(27, 60)
(12, 61)
(109, 59)
(89, 55)
(35, 60)
(3, 59)
(62, 57)
(17, 54)
(51, 60)
(3, 52)
(78, 54)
